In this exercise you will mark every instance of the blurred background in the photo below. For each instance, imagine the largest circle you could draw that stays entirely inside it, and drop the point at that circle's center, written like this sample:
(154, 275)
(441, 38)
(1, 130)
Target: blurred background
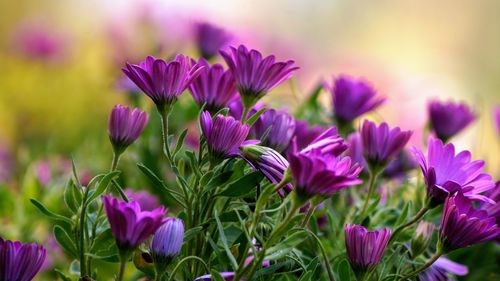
(61, 60)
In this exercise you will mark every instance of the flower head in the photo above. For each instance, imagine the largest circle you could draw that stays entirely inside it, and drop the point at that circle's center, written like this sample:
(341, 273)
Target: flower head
(125, 125)
(131, 226)
(266, 160)
(224, 135)
(365, 248)
(352, 98)
(213, 87)
(167, 241)
(448, 119)
(20, 262)
(228, 276)
(210, 38)
(462, 225)
(163, 81)
(403, 163)
(446, 173)
(493, 209)
(381, 144)
(328, 142)
(255, 76)
(422, 237)
(440, 270)
(304, 135)
(279, 127)
(146, 200)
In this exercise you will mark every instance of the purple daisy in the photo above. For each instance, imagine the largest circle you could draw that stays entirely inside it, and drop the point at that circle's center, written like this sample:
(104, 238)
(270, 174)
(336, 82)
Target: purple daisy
(167, 241)
(381, 144)
(163, 81)
(462, 225)
(213, 87)
(224, 135)
(131, 226)
(365, 248)
(441, 269)
(304, 134)
(278, 126)
(125, 126)
(352, 98)
(255, 76)
(210, 39)
(20, 262)
(146, 200)
(446, 173)
(328, 142)
(448, 118)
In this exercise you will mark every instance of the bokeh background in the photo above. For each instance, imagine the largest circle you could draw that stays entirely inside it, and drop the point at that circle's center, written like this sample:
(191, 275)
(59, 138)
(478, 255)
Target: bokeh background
(61, 60)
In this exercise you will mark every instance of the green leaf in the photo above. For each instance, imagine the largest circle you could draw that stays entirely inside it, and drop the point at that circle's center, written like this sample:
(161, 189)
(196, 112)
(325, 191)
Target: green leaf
(64, 239)
(158, 183)
(286, 246)
(344, 271)
(216, 276)
(255, 116)
(180, 142)
(110, 258)
(72, 196)
(103, 241)
(243, 185)
(191, 233)
(223, 239)
(103, 185)
(404, 214)
(62, 275)
(48, 213)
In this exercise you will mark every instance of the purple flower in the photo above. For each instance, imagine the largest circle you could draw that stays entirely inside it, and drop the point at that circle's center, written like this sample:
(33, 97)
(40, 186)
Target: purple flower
(422, 237)
(236, 108)
(446, 173)
(381, 144)
(493, 209)
(268, 161)
(20, 262)
(125, 126)
(44, 172)
(355, 150)
(146, 200)
(255, 76)
(352, 98)
(440, 270)
(126, 85)
(210, 39)
(315, 173)
(403, 163)
(279, 127)
(167, 241)
(304, 134)
(328, 142)
(448, 119)
(463, 226)
(224, 135)
(228, 276)
(131, 226)
(163, 81)
(38, 41)
(213, 87)
(496, 118)
(365, 248)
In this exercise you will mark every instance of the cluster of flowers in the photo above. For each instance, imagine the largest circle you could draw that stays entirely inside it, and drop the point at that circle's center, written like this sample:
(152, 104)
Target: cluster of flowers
(306, 164)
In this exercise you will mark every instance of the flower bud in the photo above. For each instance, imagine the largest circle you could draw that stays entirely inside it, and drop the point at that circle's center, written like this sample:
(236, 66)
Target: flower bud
(422, 238)
(167, 243)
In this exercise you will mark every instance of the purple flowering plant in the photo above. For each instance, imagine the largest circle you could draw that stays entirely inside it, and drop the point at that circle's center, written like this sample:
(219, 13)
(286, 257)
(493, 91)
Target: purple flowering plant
(233, 197)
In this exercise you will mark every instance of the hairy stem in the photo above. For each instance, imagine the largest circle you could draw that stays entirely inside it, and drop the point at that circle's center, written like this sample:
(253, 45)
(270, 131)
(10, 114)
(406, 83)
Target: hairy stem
(371, 189)
(415, 219)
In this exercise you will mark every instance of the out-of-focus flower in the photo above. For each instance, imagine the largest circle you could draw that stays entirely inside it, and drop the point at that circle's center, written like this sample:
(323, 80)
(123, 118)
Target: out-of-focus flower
(398, 168)
(20, 262)
(224, 135)
(39, 41)
(365, 248)
(44, 172)
(462, 225)
(126, 85)
(146, 200)
(440, 270)
(318, 174)
(163, 81)
(268, 161)
(448, 118)
(213, 87)
(236, 108)
(167, 242)
(54, 253)
(496, 118)
(304, 134)
(210, 39)
(422, 238)
(352, 98)
(493, 209)
(131, 226)
(446, 173)
(355, 150)
(381, 144)
(279, 126)
(255, 76)
(228, 276)
(125, 125)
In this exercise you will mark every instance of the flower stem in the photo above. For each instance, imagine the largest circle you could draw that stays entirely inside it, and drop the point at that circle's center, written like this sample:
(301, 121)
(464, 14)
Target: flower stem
(433, 259)
(244, 115)
(415, 219)
(114, 163)
(371, 188)
(309, 214)
(121, 273)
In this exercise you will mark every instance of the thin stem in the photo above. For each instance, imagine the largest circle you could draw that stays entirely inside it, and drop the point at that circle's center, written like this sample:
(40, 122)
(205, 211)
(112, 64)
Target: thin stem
(331, 277)
(174, 271)
(83, 211)
(415, 219)
(121, 273)
(425, 266)
(371, 187)
(309, 214)
(244, 115)
(116, 159)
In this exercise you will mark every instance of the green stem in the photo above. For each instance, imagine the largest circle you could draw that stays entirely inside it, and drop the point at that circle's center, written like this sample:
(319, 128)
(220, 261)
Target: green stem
(121, 273)
(434, 258)
(83, 272)
(415, 219)
(244, 115)
(114, 163)
(309, 214)
(174, 271)
(371, 188)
